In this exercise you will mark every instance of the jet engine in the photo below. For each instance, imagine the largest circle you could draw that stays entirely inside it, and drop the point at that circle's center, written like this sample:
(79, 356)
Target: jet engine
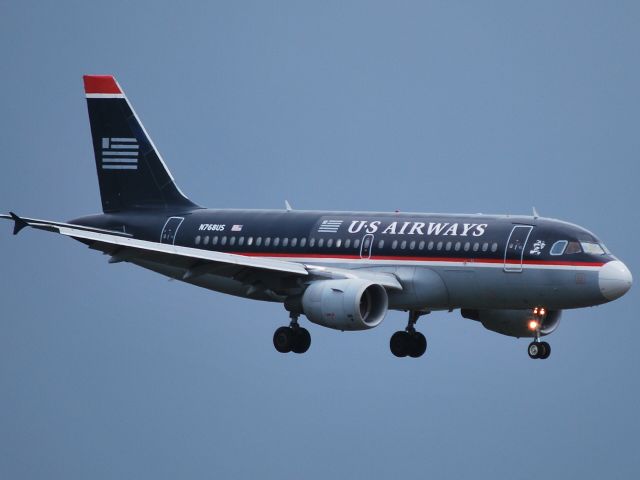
(350, 304)
(515, 323)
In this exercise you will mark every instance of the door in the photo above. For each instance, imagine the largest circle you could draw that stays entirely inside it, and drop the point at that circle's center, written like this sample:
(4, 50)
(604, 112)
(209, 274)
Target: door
(366, 247)
(170, 229)
(514, 251)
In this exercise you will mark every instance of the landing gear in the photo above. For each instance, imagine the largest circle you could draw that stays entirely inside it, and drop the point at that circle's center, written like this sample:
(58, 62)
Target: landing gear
(293, 338)
(409, 342)
(540, 350)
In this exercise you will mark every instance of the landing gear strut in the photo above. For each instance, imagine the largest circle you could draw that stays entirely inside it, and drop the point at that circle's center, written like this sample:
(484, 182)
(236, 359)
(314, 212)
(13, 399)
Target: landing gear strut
(538, 349)
(409, 342)
(293, 338)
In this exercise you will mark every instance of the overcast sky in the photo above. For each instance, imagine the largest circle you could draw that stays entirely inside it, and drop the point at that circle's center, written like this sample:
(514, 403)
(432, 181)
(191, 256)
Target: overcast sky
(110, 371)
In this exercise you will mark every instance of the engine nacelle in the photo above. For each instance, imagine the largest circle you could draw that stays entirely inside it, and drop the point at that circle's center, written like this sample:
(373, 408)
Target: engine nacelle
(350, 304)
(514, 323)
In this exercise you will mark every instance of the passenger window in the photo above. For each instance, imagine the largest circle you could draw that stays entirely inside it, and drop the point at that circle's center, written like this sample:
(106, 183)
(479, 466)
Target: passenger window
(258, 241)
(232, 241)
(412, 245)
(276, 241)
(494, 247)
(403, 245)
(294, 242)
(430, 246)
(485, 246)
(303, 241)
(338, 243)
(439, 247)
(285, 241)
(224, 240)
(421, 245)
(321, 242)
(476, 246)
(394, 245)
(356, 243)
(330, 243)
(573, 247)
(250, 241)
(241, 241)
(347, 243)
(381, 244)
(198, 239)
(448, 247)
(215, 240)
(267, 241)
(467, 246)
(206, 240)
(312, 242)
(457, 247)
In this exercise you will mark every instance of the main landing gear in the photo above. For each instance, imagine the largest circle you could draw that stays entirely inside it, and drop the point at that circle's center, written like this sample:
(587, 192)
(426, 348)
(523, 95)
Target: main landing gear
(409, 342)
(538, 349)
(293, 338)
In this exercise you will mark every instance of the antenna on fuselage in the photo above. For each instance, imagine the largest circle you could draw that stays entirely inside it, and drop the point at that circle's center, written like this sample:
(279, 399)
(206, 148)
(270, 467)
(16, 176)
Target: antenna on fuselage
(535, 213)
(287, 206)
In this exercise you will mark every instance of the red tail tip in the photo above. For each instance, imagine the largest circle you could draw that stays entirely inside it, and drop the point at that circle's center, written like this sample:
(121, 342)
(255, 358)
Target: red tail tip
(100, 84)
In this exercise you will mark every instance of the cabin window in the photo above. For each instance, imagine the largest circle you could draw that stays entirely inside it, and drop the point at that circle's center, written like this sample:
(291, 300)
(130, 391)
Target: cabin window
(312, 242)
(412, 245)
(320, 242)
(294, 242)
(448, 246)
(485, 246)
(394, 245)
(303, 241)
(206, 240)
(457, 247)
(330, 243)
(241, 241)
(338, 243)
(439, 246)
(285, 241)
(494, 247)
(214, 240)
(430, 246)
(403, 245)
(267, 241)
(573, 247)
(421, 245)
(232, 241)
(467, 246)
(476, 246)
(198, 239)
(356, 243)
(276, 241)
(224, 240)
(381, 244)
(347, 243)
(250, 241)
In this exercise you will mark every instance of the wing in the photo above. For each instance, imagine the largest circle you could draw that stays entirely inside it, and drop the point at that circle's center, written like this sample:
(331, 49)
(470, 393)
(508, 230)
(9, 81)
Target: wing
(193, 262)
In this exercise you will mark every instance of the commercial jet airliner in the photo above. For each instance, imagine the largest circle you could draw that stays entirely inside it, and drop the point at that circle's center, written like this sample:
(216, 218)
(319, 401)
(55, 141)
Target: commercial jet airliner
(342, 270)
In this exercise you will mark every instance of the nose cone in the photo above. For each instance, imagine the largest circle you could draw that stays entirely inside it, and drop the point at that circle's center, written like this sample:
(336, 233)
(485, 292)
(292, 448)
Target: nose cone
(614, 279)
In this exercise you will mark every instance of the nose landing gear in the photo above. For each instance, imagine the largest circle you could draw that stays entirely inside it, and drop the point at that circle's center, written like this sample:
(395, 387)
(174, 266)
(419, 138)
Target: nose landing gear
(409, 342)
(538, 349)
(293, 338)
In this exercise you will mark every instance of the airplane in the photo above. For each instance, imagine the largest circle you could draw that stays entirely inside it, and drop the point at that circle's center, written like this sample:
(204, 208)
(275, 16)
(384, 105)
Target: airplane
(342, 270)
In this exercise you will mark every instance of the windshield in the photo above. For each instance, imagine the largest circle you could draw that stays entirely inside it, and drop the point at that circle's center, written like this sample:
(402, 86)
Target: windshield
(592, 248)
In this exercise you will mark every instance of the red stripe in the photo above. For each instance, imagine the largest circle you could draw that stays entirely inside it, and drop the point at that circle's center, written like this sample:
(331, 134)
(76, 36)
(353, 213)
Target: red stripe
(422, 259)
(100, 84)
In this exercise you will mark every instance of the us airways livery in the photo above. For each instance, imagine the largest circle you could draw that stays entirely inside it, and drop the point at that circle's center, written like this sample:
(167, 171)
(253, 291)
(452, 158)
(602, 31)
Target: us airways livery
(342, 270)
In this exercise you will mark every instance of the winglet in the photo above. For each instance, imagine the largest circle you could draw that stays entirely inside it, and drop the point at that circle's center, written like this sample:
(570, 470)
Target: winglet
(535, 213)
(19, 223)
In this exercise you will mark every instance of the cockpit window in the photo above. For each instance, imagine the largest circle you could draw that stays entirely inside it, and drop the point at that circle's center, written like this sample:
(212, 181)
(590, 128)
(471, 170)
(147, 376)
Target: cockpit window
(573, 247)
(592, 248)
(558, 247)
(606, 250)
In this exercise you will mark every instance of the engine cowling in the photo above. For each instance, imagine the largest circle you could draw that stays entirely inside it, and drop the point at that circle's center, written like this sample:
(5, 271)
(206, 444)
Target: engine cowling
(514, 323)
(350, 304)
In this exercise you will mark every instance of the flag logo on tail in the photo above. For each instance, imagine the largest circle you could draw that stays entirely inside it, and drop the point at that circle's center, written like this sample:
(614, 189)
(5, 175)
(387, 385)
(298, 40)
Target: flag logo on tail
(119, 153)
(329, 226)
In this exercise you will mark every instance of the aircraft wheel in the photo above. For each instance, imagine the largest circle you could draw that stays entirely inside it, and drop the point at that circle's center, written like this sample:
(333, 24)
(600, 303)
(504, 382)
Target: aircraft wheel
(547, 350)
(284, 339)
(302, 341)
(400, 344)
(418, 345)
(534, 350)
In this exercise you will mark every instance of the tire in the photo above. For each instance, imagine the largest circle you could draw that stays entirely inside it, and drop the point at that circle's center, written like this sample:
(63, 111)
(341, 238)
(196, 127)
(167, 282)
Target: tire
(534, 350)
(418, 345)
(302, 341)
(283, 339)
(400, 344)
(546, 351)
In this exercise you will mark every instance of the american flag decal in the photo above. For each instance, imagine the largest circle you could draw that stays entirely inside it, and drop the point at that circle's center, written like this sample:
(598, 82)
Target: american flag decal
(236, 228)
(119, 153)
(329, 226)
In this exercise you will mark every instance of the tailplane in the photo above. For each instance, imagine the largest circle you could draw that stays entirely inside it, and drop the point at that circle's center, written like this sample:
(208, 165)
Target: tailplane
(131, 172)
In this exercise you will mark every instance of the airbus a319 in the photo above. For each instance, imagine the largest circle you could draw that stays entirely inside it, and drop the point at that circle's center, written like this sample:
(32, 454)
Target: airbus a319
(341, 270)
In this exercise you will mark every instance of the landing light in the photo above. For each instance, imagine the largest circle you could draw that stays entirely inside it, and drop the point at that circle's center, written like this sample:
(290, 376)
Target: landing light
(533, 325)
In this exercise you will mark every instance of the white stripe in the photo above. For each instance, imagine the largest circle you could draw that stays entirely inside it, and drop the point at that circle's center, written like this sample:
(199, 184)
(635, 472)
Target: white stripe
(119, 167)
(124, 145)
(118, 154)
(119, 160)
(104, 95)
(122, 139)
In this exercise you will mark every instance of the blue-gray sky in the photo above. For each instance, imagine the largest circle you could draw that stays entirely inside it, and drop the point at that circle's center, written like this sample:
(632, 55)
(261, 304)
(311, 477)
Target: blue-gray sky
(109, 371)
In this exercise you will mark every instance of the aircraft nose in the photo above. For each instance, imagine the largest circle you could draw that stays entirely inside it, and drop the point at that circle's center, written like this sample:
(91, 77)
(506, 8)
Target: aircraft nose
(614, 279)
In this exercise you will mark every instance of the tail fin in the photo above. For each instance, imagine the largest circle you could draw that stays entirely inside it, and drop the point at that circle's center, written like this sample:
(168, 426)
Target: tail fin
(131, 172)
